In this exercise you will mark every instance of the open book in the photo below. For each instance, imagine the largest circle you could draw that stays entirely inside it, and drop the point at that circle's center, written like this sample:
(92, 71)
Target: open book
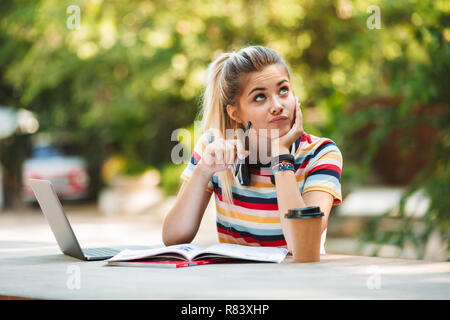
(194, 252)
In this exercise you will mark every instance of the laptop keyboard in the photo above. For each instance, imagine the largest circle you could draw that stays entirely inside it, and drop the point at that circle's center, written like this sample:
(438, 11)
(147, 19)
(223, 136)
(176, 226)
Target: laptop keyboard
(100, 252)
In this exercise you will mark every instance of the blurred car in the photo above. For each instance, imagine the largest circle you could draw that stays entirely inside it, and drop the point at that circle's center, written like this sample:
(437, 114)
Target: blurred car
(68, 174)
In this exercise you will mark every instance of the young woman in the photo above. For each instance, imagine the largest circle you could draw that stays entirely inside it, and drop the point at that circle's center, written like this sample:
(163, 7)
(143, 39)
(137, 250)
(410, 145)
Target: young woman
(253, 85)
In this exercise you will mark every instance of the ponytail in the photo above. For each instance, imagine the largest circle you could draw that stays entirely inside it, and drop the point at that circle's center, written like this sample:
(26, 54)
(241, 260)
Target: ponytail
(215, 117)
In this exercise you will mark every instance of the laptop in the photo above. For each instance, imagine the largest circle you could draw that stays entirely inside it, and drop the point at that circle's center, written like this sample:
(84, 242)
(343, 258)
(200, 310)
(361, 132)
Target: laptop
(57, 219)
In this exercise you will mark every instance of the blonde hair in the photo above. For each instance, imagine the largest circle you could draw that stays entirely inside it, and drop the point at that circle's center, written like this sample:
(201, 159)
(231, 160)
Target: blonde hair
(224, 87)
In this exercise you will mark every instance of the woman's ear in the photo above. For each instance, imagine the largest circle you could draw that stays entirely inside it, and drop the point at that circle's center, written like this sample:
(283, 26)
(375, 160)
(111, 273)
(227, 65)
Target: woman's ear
(233, 113)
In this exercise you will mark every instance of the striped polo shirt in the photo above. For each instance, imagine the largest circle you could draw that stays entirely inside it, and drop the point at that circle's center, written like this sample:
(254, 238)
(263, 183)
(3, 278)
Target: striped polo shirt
(253, 218)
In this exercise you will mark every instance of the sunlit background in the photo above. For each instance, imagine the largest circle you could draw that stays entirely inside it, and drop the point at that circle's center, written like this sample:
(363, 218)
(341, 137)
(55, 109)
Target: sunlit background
(91, 91)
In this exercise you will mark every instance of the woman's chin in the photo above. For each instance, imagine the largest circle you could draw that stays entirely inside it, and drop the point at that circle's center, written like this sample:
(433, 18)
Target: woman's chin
(282, 130)
(274, 132)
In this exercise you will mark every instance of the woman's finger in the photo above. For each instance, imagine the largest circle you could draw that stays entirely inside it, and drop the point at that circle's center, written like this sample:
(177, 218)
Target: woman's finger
(299, 118)
(219, 153)
(229, 153)
(296, 128)
(210, 155)
(240, 149)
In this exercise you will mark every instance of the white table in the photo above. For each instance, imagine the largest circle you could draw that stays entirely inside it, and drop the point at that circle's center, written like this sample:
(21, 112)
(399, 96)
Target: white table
(39, 270)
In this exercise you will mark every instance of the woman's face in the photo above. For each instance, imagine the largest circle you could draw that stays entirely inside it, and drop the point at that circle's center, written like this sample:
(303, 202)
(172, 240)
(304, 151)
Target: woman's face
(267, 95)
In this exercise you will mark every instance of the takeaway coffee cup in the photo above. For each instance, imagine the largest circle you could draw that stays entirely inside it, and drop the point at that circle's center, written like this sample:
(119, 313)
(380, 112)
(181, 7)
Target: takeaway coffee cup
(305, 227)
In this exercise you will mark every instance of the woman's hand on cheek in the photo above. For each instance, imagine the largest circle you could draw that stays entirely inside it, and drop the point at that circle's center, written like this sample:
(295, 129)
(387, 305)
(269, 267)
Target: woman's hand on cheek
(284, 142)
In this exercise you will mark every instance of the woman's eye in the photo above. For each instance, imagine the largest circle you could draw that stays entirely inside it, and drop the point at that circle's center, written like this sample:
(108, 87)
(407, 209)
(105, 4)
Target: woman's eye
(260, 97)
(284, 90)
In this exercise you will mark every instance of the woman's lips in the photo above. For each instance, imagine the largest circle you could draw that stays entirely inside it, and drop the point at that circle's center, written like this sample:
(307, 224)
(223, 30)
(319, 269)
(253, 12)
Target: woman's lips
(277, 120)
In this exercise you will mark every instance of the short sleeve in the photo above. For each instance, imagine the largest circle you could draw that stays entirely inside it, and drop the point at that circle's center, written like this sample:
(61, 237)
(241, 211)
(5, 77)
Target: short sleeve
(196, 155)
(324, 172)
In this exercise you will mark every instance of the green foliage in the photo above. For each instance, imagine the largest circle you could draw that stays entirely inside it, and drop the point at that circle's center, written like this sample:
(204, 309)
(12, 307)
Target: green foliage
(170, 178)
(134, 70)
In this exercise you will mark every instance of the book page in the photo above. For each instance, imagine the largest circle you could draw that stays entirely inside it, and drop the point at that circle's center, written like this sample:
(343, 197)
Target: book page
(267, 254)
(184, 251)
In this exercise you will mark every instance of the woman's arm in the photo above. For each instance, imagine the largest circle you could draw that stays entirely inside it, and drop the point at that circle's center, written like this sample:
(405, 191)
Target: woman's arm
(183, 220)
(288, 196)
(288, 193)
(322, 199)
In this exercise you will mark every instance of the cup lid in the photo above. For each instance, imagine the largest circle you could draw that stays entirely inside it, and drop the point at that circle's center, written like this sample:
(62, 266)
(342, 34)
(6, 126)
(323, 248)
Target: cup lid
(304, 213)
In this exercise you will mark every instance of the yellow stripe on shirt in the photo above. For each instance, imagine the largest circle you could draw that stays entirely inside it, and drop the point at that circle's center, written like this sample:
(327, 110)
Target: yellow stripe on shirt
(247, 217)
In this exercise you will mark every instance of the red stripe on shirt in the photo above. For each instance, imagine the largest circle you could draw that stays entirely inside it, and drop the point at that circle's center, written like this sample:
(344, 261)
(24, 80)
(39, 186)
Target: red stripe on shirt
(277, 243)
(326, 166)
(258, 172)
(324, 142)
(306, 137)
(196, 156)
(251, 205)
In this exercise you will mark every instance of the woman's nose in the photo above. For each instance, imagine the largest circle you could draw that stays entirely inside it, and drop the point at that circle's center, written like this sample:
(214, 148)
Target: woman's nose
(276, 106)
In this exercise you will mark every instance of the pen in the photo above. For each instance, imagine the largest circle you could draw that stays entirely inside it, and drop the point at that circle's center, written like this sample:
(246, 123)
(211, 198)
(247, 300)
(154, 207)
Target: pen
(242, 161)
